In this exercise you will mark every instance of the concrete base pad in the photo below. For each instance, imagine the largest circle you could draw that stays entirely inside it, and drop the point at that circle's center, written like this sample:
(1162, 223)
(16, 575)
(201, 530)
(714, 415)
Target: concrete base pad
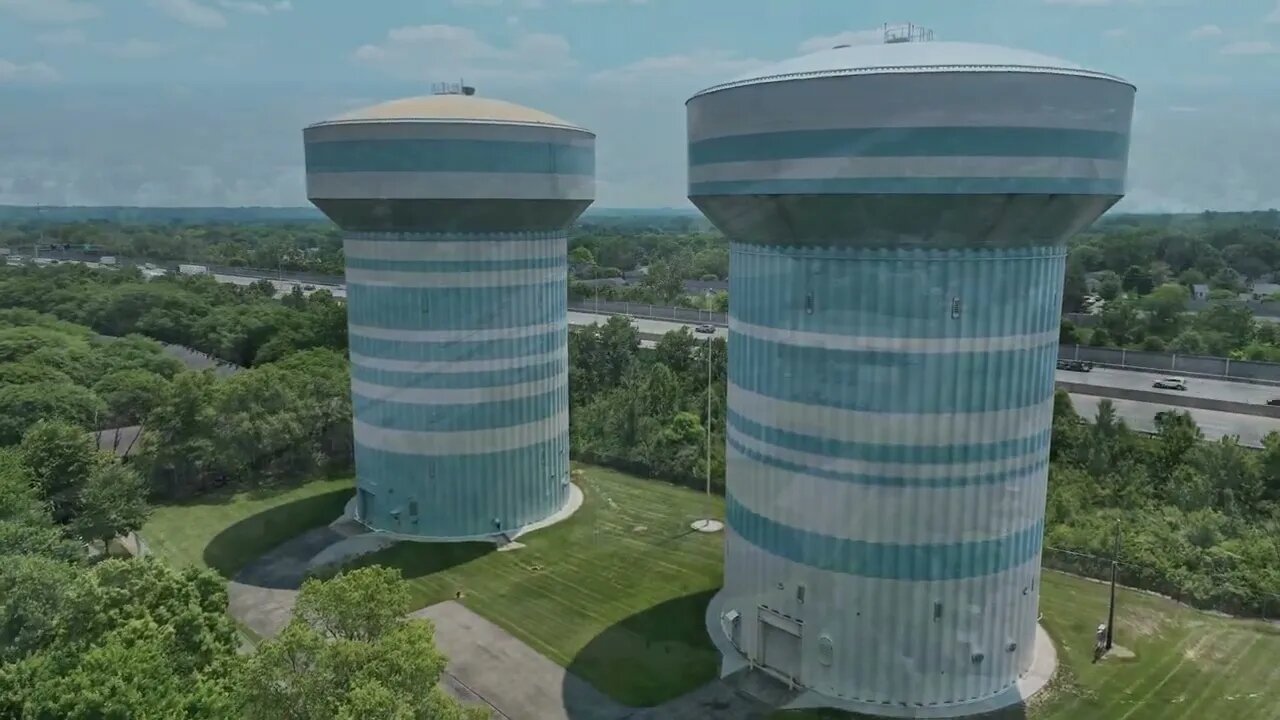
(1043, 665)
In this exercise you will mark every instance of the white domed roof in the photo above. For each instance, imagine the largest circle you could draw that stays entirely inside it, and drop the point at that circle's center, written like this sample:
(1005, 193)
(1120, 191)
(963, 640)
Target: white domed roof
(910, 57)
(451, 108)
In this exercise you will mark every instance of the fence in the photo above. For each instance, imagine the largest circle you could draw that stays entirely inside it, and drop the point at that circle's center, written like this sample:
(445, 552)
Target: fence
(1246, 370)
(1214, 592)
(650, 312)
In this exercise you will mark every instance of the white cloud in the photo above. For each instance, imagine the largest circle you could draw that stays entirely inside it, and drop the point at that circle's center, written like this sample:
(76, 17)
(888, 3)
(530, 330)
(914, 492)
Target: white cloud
(432, 52)
(1250, 47)
(872, 36)
(51, 11)
(526, 4)
(602, 2)
(1116, 33)
(1079, 3)
(253, 7)
(190, 12)
(36, 72)
(686, 72)
(62, 38)
(1206, 31)
(135, 49)
(1274, 16)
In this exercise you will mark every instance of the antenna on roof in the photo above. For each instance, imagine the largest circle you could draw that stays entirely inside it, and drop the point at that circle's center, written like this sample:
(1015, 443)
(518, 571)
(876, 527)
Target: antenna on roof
(452, 88)
(910, 32)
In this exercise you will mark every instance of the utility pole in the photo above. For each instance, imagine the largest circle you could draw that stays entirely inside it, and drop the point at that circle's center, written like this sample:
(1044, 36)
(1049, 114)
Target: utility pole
(1111, 610)
(709, 338)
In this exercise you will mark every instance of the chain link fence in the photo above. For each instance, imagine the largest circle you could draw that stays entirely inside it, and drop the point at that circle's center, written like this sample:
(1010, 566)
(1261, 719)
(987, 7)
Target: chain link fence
(1212, 595)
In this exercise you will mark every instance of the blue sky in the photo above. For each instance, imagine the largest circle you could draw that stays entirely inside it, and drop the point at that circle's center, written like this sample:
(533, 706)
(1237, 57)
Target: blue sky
(201, 101)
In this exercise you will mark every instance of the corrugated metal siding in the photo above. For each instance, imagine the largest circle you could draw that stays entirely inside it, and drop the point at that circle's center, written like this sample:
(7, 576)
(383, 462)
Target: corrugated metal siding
(889, 418)
(459, 379)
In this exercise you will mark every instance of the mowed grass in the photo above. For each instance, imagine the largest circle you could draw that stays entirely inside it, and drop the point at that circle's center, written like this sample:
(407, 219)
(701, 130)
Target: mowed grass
(1187, 665)
(617, 593)
(226, 531)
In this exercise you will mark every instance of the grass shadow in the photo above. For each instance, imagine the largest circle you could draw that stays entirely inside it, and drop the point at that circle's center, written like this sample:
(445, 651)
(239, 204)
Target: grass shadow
(649, 658)
(245, 541)
(419, 559)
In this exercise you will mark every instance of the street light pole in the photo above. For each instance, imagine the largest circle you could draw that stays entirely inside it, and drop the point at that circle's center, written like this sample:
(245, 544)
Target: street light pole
(1111, 610)
(709, 337)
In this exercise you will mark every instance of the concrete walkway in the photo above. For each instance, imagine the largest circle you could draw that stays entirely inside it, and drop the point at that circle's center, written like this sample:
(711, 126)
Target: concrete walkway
(488, 665)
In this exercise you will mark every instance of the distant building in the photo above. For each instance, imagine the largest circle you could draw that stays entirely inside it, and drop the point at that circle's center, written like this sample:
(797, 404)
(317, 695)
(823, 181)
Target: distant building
(1200, 291)
(1264, 290)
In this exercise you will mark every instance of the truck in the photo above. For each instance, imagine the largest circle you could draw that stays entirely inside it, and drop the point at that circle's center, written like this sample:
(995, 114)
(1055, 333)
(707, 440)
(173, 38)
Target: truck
(192, 270)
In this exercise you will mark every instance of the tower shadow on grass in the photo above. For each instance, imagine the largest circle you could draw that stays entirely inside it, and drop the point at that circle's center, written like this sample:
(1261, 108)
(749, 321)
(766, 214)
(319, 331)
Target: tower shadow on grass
(419, 559)
(244, 542)
(647, 659)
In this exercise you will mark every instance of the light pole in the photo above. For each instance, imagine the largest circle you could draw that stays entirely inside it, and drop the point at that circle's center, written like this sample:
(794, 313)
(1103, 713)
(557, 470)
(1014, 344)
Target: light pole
(709, 338)
(1111, 609)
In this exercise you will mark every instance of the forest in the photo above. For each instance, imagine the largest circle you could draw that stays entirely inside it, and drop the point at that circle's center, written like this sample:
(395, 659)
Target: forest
(1203, 516)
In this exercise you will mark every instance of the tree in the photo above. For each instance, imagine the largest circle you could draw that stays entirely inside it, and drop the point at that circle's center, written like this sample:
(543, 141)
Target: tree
(1137, 279)
(1232, 320)
(581, 256)
(61, 457)
(130, 395)
(113, 502)
(1109, 285)
(1121, 322)
(1164, 307)
(348, 652)
(1075, 287)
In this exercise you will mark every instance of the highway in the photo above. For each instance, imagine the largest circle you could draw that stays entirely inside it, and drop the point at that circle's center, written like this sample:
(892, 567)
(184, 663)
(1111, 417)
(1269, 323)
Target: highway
(1196, 387)
(1141, 416)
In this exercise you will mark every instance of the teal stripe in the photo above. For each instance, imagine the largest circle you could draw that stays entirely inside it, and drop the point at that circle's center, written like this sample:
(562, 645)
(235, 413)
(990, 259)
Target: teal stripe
(859, 291)
(911, 186)
(559, 261)
(1036, 442)
(455, 308)
(461, 495)
(458, 351)
(389, 414)
(885, 561)
(456, 381)
(912, 142)
(891, 480)
(418, 155)
(894, 382)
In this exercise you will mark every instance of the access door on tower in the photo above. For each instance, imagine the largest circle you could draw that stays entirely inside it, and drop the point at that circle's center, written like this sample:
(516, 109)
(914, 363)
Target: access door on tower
(780, 644)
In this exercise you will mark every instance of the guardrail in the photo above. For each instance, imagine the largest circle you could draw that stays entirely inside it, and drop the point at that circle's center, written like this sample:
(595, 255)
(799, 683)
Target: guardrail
(1175, 364)
(650, 312)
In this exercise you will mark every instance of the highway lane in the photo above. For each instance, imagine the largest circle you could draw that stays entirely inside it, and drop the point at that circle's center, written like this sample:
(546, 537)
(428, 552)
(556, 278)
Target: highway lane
(1141, 416)
(1196, 387)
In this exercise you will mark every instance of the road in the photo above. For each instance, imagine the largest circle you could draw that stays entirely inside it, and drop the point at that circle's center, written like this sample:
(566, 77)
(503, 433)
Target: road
(1141, 416)
(1196, 387)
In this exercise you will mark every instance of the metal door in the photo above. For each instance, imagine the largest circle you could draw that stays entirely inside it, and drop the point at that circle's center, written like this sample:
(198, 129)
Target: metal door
(780, 651)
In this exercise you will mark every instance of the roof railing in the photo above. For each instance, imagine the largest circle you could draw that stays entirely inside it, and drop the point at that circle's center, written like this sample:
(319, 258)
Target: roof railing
(909, 32)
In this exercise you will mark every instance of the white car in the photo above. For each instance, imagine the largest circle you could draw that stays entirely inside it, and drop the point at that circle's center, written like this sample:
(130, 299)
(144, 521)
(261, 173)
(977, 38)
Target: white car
(1170, 383)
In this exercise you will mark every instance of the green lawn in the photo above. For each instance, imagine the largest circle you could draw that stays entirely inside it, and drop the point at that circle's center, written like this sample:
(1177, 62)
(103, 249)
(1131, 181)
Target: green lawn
(225, 531)
(1188, 665)
(616, 593)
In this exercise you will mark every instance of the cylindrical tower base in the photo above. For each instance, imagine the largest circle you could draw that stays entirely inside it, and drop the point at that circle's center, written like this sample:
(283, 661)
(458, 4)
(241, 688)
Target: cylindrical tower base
(888, 432)
(459, 369)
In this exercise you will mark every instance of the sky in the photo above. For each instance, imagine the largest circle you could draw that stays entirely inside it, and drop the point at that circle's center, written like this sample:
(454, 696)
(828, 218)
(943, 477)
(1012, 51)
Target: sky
(201, 102)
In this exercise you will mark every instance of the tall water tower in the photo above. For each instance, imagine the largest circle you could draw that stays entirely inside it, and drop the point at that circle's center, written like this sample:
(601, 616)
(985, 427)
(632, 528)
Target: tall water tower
(455, 209)
(898, 216)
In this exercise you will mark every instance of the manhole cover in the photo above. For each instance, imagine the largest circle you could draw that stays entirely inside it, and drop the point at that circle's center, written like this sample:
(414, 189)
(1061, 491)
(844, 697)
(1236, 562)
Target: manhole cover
(707, 526)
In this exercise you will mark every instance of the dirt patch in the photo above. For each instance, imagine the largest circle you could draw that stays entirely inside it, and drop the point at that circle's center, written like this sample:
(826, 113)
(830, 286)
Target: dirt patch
(1142, 623)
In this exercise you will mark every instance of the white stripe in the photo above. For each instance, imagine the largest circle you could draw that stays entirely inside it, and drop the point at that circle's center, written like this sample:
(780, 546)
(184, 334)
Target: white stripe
(460, 279)
(906, 471)
(460, 366)
(426, 249)
(466, 442)
(449, 186)
(927, 429)
(458, 396)
(430, 336)
(462, 130)
(823, 341)
(920, 100)
(909, 167)
(883, 514)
